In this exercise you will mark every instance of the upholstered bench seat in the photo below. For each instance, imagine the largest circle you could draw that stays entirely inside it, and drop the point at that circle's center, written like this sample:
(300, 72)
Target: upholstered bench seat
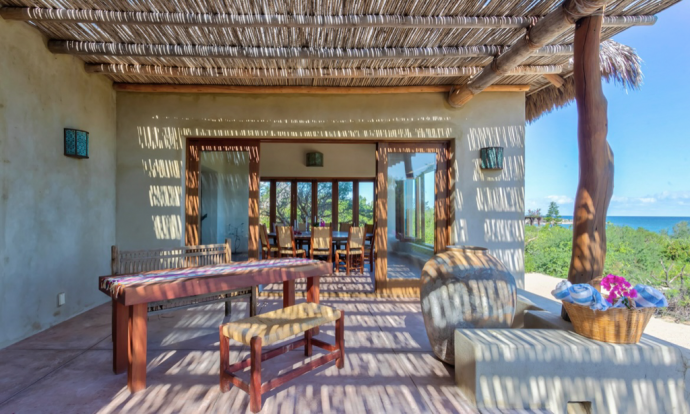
(268, 328)
(280, 324)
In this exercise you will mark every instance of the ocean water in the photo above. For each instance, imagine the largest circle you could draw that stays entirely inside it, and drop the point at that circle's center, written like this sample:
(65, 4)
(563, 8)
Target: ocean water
(651, 223)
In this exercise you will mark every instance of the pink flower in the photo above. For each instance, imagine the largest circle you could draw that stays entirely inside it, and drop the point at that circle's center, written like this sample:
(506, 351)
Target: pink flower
(617, 287)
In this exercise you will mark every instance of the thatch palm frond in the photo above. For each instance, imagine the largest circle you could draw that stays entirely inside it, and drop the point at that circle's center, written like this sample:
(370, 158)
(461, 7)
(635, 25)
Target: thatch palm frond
(620, 64)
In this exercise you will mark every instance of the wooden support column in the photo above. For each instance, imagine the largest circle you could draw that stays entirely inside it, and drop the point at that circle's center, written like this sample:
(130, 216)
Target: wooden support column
(272, 206)
(595, 187)
(381, 212)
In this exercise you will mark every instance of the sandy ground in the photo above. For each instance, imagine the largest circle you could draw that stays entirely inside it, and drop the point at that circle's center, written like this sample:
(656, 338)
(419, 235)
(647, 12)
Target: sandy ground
(675, 333)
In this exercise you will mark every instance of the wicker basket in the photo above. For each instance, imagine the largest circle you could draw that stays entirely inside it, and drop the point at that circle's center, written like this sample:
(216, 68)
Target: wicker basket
(615, 325)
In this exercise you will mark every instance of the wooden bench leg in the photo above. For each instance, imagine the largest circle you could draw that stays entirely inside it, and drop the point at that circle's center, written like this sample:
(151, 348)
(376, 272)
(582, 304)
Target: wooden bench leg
(313, 295)
(120, 337)
(307, 346)
(225, 383)
(253, 301)
(340, 339)
(288, 293)
(255, 381)
(136, 373)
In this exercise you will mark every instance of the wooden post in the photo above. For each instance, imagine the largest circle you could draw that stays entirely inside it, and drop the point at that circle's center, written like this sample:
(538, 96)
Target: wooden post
(255, 379)
(225, 383)
(595, 187)
(120, 337)
(340, 340)
(381, 211)
(288, 293)
(136, 374)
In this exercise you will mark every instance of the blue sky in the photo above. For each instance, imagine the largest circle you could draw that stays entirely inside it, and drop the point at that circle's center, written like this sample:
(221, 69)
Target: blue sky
(649, 132)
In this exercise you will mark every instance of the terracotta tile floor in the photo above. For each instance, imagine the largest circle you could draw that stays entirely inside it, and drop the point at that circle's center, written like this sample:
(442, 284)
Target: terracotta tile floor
(389, 367)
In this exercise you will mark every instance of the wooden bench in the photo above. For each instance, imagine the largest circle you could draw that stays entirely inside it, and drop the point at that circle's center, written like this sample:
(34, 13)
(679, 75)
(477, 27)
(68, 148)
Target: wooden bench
(138, 261)
(269, 328)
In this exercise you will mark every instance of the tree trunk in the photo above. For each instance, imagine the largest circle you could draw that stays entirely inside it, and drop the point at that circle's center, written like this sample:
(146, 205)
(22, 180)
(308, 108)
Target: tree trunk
(595, 187)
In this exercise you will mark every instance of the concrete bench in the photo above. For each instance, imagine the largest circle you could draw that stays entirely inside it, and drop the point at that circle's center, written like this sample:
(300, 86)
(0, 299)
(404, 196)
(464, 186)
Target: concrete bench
(561, 371)
(269, 328)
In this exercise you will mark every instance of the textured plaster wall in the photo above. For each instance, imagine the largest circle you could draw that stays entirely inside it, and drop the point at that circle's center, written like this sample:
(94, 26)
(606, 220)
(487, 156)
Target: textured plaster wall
(57, 214)
(488, 207)
(339, 160)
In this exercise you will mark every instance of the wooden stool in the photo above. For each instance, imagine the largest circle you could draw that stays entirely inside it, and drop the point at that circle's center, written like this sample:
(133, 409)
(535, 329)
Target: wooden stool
(269, 328)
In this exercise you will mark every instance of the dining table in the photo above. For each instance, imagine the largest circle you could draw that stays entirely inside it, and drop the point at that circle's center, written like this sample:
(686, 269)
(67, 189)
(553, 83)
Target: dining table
(304, 237)
(131, 293)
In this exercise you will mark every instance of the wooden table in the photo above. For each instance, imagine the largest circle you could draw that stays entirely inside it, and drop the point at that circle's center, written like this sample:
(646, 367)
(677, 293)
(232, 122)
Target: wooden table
(338, 236)
(131, 293)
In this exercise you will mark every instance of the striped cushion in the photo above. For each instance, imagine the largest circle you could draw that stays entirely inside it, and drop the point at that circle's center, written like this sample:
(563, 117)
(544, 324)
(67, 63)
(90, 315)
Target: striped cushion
(280, 324)
(352, 251)
(289, 251)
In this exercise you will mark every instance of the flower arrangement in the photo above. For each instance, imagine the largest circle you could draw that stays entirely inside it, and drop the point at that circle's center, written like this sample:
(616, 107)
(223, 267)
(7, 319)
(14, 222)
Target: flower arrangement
(618, 316)
(620, 291)
(621, 294)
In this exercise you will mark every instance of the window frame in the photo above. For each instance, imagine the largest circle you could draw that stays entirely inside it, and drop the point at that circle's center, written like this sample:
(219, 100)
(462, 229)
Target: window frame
(314, 188)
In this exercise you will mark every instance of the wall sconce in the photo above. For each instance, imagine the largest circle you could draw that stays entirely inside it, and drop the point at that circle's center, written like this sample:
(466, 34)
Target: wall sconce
(314, 159)
(492, 158)
(76, 143)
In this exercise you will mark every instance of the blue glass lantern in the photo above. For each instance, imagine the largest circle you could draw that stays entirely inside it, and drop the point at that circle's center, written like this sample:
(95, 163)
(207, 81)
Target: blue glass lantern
(492, 158)
(314, 159)
(76, 143)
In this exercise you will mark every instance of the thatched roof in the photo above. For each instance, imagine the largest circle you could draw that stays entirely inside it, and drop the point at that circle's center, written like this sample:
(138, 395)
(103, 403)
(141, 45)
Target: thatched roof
(619, 64)
(313, 43)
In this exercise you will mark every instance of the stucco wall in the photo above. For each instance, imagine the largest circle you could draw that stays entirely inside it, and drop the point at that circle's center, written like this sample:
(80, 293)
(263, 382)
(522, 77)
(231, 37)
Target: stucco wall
(57, 214)
(488, 207)
(339, 160)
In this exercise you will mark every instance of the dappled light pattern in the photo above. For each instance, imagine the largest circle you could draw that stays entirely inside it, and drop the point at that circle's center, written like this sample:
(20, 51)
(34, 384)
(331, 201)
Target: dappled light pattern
(389, 367)
(465, 287)
(548, 368)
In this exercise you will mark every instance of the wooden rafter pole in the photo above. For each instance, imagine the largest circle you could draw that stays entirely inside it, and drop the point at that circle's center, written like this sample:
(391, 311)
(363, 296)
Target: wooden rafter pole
(305, 73)
(248, 21)
(544, 31)
(71, 47)
(595, 186)
(308, 90)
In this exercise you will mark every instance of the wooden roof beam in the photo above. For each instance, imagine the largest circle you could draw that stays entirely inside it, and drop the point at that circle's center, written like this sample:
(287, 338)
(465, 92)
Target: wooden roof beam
(249, 21)
(311, 90)
(556, 80)
(324, 73)
(544, 31)
(72, 47)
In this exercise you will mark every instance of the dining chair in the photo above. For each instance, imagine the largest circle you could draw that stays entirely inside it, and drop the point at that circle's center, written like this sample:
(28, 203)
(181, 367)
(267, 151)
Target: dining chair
(343, 227)
(369, 245)
(321, 242)
(354, 250)
(266, 249)
(286, 242)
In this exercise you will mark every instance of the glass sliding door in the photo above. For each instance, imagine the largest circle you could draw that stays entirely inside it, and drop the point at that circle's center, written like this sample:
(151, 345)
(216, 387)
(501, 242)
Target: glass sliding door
(222, 195)
(265, 204)
(366, 203)
(411, 217)
(304, 202)
(223, 201)
(283, 203)
(345, 197)
(324, 202)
